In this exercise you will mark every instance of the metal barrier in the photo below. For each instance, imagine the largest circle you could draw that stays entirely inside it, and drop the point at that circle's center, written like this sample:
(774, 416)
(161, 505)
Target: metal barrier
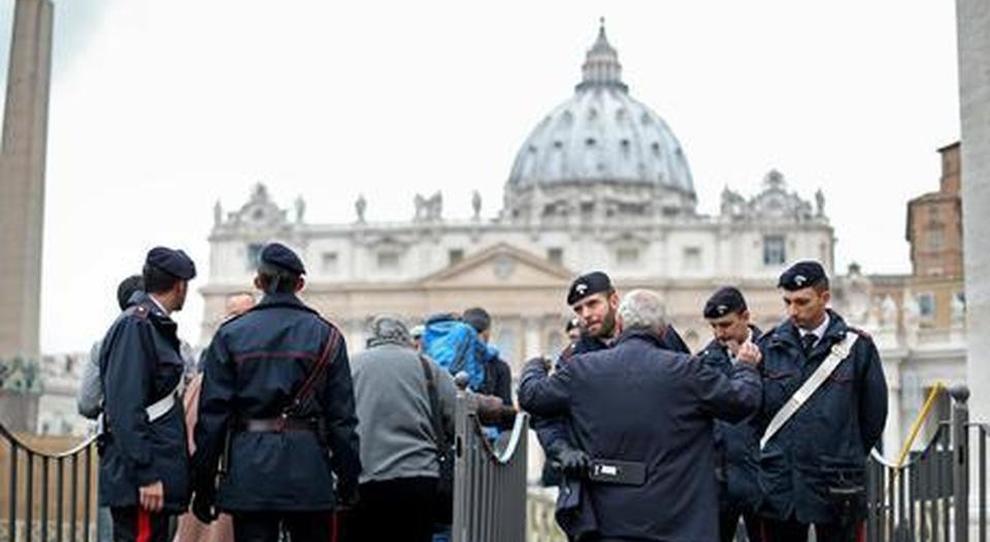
(36, 503)
(927, 498)
(489, 478)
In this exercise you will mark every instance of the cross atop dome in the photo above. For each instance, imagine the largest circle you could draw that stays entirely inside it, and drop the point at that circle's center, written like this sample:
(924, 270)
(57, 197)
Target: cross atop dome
(601, 66)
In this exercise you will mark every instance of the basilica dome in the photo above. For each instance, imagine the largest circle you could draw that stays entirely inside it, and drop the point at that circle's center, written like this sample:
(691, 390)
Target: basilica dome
(602, 135)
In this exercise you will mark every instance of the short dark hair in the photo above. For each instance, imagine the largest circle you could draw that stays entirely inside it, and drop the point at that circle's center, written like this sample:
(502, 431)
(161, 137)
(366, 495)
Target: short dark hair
(478, 318)
(157, 280)
(127, 287)
(276, 280)
(820, 285)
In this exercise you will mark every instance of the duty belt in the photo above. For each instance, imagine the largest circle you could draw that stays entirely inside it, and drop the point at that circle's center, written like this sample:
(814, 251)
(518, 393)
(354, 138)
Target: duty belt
(279, 425)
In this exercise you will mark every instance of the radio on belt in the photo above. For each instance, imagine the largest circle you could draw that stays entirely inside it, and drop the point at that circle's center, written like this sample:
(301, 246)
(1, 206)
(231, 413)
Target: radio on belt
(630, 473)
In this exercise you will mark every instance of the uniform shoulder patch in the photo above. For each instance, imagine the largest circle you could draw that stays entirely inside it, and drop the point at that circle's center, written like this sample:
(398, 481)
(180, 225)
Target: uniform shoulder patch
(141, 311)
(860, 332)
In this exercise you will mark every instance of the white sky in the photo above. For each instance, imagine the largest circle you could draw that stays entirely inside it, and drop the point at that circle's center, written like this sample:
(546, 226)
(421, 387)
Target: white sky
(160, 108)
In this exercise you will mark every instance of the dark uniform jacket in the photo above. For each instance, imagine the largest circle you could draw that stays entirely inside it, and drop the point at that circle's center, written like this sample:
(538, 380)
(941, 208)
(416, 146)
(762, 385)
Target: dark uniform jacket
(826, 443)
(641, 403)
(139, 365)
(737, 445)
(252, 370)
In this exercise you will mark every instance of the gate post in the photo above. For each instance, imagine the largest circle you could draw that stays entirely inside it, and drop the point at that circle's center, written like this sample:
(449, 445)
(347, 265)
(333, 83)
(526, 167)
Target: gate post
(960, 460)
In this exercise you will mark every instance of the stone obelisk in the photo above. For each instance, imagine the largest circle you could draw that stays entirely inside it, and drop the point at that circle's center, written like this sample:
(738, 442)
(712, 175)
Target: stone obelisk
(22, 177)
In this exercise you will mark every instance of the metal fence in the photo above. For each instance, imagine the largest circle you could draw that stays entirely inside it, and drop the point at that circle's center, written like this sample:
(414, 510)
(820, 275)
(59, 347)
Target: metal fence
(489, 478)
(929, 497)
(48, 496)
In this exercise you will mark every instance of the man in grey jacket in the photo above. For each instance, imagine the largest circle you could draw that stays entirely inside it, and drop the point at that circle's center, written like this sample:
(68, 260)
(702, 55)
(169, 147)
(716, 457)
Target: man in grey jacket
(398, 446)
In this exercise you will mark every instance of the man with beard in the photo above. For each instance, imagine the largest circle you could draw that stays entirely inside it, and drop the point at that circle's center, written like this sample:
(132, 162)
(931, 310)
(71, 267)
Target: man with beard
(816, 437)
(736, 445)
(144, 464)
(594, 301)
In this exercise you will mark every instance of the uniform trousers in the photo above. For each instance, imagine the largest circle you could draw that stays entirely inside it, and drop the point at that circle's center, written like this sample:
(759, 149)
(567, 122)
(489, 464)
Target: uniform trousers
(793, 531)
(728, 522)
(316, 526)
(135, 524)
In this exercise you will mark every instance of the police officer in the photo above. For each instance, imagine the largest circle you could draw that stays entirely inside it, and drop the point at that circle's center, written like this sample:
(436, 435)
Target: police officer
(277, 394)
(736, 445)
(645, 414)
(812, 467)
(143, 461)
(595, 302)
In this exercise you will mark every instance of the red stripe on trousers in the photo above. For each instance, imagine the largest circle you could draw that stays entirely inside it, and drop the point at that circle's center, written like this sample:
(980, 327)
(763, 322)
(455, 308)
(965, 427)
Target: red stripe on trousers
(143, 526)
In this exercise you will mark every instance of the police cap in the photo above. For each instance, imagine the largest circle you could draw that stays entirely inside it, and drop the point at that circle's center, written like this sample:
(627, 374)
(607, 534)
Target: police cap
(725, 300)
(802, 275)
(173, 262)
(588, 284)
(281, 256)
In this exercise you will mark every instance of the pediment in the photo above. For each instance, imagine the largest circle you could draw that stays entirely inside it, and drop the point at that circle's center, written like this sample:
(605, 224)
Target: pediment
(501, 264)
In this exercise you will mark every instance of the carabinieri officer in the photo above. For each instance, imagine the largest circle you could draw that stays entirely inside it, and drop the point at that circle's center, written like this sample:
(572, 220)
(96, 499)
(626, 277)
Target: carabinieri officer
(143, 460)
(277, 383)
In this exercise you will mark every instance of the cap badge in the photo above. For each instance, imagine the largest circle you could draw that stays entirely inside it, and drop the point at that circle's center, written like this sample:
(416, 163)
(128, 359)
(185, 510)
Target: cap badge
(581, 288)
(799, 280)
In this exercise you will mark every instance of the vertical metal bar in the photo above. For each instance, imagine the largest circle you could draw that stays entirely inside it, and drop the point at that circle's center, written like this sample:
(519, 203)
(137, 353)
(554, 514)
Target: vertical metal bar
(88, 488)
(910, 472)
(935, 479)
(13, 492)
(901, 498)
(983, 483)
(923, 488)
(888, 505)
(74, 497)
(29, 495)
(59, 498)
(44, 498)
(872, 498)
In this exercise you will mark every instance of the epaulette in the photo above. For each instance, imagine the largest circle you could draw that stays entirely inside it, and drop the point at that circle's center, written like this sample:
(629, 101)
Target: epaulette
(230, 319)
(141, 312)
(859, 332)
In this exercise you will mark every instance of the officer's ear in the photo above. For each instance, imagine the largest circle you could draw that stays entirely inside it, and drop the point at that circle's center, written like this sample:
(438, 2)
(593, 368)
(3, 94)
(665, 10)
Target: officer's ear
(613, 300)
(258, 284)
(300, 283)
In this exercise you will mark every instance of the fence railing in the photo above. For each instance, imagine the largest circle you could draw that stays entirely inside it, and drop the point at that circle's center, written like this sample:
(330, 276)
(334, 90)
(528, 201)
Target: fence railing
(489, 478)
(928, 497)
(47, 496)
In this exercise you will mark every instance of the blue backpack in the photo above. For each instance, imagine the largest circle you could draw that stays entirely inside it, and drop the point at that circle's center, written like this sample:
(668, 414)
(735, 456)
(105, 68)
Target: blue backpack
(456, 347)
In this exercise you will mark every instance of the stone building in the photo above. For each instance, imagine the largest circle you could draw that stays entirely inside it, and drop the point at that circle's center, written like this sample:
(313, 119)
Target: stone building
(600, 183)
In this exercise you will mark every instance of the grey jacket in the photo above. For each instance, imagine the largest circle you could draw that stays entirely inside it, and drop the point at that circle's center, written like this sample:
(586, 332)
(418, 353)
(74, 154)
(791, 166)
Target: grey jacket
(89, 398)
(393, 411)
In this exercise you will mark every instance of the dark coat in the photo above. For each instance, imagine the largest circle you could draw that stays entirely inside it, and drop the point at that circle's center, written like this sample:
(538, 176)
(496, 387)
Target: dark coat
(827, 441)
(139, 365)
(641, 403)
(737, 446)
(252, 370)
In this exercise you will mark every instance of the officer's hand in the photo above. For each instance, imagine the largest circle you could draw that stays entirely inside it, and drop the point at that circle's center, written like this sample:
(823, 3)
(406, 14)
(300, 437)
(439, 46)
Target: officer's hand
(749, 353)
(543, 363)
(203, 508)
(152, 496)
(572, 461)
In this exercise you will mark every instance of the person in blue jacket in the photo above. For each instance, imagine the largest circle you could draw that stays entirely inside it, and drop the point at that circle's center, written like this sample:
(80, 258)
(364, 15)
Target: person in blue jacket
(645, 415)
(812, 471)
(736, 444)
(277, 395)
(144, 466)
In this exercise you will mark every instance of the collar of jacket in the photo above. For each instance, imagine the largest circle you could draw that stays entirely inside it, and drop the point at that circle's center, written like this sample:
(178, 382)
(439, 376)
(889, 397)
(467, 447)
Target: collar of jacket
(642, 334)
(788, 333)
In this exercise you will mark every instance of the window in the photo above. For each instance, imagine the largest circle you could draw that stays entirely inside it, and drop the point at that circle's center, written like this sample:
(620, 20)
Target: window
(455, 255)
(926, 305)
(692, 258)
(388, 260)
(328, 262)
(253, 255)
(627, 257)
(936, 237)
(555, 255)
(774, 251)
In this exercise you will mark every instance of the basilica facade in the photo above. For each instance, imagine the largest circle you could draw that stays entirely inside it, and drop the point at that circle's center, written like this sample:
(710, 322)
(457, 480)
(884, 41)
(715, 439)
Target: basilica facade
(600, 183)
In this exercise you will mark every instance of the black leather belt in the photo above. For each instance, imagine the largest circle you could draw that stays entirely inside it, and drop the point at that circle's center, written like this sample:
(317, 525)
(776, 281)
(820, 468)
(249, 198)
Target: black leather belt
(278, 425)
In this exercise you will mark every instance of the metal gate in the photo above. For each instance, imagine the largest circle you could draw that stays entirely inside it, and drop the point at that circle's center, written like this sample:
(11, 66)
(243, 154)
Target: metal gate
(489, 478)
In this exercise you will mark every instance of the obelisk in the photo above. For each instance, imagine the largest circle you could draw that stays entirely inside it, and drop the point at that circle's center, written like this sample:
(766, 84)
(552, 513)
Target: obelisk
(22, 177)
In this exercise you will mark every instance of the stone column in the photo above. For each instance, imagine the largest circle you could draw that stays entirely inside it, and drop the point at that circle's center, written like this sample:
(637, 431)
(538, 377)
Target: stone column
(973, 20)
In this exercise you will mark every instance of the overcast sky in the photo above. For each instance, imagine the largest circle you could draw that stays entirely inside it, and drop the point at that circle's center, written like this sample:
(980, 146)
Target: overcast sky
(158, 109)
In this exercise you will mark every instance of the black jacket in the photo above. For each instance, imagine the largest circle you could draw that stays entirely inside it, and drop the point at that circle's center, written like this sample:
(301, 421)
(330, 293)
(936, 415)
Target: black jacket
(139, 365)
(252, 370)
(642, 403)
(737, 445)
(826, 443)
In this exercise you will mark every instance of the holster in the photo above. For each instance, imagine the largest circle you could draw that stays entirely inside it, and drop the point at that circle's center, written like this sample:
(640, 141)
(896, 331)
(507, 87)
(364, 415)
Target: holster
(849, 503)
